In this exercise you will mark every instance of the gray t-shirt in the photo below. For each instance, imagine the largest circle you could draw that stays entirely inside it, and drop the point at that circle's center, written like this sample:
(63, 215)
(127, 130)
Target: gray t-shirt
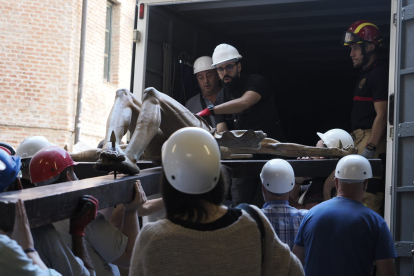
(194, 105)
(56, 254)
(104, 243)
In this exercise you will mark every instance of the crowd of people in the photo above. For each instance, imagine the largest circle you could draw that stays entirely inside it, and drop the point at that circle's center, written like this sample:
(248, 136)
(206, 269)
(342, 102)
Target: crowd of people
(328, 227)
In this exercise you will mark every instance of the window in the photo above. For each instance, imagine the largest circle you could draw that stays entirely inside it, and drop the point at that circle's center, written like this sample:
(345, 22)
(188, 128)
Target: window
(108, 34)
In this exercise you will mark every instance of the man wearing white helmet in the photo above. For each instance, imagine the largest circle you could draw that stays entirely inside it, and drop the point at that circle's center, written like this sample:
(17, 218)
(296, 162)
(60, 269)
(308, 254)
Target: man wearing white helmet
(278, 180)
(341, 236)
(246, 101)
(209, 83)
(26, 150)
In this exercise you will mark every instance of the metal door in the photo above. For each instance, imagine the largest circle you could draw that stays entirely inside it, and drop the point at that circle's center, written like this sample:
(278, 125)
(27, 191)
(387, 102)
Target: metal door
(403, 150)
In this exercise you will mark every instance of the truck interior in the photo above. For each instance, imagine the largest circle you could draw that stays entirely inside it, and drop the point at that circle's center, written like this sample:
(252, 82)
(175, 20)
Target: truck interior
(295, 44)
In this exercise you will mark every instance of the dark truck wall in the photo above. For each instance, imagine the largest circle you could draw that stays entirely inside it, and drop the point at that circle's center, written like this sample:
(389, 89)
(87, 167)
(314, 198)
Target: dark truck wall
(301, 56)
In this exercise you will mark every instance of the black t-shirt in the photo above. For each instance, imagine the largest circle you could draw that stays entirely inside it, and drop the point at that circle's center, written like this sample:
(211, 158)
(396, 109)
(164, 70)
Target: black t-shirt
(260, 116)
(230, 217)
(372, 86)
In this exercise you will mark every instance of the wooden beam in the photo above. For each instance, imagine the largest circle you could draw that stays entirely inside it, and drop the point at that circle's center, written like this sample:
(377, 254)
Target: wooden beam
(56, 202)
(249, 168)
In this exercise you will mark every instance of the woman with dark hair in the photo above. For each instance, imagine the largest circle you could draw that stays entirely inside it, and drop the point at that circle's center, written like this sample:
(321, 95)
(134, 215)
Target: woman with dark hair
(200, 235)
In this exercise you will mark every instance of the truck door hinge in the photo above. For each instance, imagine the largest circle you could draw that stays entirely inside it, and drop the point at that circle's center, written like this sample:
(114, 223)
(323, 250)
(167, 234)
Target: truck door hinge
(392, 132)
(136, 36)
(394, 19)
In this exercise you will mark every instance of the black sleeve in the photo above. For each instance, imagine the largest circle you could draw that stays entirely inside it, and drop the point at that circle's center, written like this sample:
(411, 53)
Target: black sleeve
(219, 118)
(259, 85)
(379, 84)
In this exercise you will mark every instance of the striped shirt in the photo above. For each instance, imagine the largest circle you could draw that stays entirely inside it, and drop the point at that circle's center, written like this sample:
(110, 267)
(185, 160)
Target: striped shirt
(284, 219)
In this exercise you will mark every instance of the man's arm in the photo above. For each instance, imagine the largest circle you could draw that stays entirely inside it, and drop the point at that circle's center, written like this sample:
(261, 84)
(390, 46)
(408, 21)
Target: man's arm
(222, 127)
(385, 267)
(130, 224)
(79, 250)
(248, 99)
(150, 207)
(299, 251)
(89, 207)
(380, 123)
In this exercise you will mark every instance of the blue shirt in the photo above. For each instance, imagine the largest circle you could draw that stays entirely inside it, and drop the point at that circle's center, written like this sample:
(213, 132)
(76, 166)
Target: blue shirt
(284, 219)
(343, 237)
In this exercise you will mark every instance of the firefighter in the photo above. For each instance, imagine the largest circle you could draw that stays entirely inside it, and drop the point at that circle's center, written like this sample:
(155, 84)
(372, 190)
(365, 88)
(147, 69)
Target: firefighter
(369, 112)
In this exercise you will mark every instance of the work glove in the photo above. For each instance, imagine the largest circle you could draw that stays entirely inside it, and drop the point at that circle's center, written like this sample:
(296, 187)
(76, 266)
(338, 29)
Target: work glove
(88, 209)
(368, 153)
(205, 112)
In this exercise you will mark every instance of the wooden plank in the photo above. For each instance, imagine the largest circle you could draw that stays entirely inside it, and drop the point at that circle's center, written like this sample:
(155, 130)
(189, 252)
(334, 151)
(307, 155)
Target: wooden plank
(56, 202)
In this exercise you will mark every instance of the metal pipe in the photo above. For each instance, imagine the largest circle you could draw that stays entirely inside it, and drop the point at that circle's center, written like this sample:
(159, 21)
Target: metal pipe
(78, 117)
(131, 84)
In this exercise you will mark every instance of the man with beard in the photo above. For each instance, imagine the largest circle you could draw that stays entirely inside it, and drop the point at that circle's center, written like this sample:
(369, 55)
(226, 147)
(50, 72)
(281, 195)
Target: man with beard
(208, 80)
(245, 102)
(369, 112)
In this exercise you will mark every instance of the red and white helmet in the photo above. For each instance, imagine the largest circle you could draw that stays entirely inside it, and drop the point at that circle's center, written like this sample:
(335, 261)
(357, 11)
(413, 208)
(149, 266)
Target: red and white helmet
(47, 164)
(362, 31)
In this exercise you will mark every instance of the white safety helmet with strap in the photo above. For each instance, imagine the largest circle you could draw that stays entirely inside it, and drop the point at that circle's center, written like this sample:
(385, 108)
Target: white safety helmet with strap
(332, 137)
(353, 167)
(225, 52)
(191, 160)
(203, 64)
(277, 176)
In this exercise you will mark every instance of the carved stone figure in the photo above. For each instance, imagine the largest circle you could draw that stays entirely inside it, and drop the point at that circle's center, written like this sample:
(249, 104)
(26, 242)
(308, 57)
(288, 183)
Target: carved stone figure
(153, 120)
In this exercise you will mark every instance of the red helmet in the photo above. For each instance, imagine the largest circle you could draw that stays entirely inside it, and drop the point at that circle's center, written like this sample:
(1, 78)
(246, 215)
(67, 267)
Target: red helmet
(362, 31)
(47, 164)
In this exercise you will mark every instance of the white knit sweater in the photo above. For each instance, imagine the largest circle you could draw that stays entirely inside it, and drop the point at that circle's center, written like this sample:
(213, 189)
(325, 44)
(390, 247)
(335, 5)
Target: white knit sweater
(164, 248)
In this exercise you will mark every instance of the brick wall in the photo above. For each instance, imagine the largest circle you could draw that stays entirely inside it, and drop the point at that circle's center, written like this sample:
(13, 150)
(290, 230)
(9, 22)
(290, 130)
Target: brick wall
(39, 53)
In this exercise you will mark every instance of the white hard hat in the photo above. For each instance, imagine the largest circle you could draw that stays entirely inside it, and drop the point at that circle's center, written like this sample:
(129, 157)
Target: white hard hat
(191, 160)
(277, 176)
(332, 137)
(203, 64)
(353, 167)
(225, 52)
(30, 146)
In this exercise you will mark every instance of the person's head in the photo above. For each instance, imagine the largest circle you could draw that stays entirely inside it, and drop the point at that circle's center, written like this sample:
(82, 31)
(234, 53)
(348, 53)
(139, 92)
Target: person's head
(278, 180)
(336, 138)
(9, 169)
(207, 76)
(226, 59)
(363, 37)
(27, 149)
(192, 179)
(351, 176)
(51, 165)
